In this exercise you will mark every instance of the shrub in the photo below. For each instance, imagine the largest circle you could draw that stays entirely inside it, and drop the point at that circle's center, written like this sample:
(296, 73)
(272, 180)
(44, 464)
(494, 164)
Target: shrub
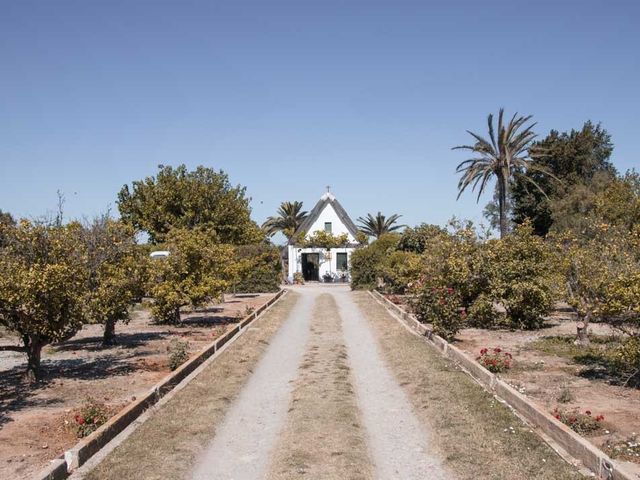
(482, 314)
(523, 277)
(90, 417)
(399, 270)
(298, 278)
(260, 268)
(418, 239)
(582, 423)
(495, 360)
(178, 353)
(526, 304)
(367, 264)
(442, 308)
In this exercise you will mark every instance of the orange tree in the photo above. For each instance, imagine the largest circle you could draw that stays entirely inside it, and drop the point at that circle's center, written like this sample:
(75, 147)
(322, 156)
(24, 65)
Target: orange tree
(197, 270)
(117, 268)
(43, 285)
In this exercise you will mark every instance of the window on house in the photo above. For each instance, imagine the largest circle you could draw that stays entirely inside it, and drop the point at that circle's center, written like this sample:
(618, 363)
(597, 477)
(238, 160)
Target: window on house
(327, 227)
(341, 261)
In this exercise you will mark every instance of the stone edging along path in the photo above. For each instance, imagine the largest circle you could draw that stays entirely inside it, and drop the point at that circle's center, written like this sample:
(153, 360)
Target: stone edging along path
(554, 432)
(72, 459)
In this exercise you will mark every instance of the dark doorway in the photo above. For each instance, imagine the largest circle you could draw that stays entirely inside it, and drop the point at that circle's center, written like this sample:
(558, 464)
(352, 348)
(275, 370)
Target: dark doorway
(311, 267)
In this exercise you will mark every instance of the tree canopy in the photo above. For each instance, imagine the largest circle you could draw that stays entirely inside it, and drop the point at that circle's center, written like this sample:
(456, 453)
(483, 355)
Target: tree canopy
(43, 285)
(289, 218)
(580, 160)
(179, 198)
(503, 156)
(379, 225)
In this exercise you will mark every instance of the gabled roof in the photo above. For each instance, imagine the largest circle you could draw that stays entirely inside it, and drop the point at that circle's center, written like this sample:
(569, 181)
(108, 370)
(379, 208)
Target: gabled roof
(328, 199)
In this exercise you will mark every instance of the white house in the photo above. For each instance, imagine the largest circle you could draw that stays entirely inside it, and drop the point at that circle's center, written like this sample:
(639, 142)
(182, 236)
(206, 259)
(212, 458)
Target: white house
(318, 263)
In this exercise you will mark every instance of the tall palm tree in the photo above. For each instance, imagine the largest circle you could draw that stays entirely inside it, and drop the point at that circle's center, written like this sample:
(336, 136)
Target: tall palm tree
(290, 217)
(503, 156)
(378, 225)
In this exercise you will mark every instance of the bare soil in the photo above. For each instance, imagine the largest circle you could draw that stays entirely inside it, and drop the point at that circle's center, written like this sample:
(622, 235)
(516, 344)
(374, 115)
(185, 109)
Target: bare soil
(477, 436)
(36, 421)
(166, 446)
(324, 437)
(544, 376)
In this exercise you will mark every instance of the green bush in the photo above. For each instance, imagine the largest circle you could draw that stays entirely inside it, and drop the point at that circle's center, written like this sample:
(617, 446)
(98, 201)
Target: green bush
(91, 416)
(367, 264)
(399, 270)
(482, 314)
(261, 269)
(418, 239)
(178, 353)
(442, 308)
(526, 304)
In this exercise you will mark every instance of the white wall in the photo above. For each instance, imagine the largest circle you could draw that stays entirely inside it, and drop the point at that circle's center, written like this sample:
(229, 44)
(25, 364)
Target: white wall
(326, 265)
(328, 214)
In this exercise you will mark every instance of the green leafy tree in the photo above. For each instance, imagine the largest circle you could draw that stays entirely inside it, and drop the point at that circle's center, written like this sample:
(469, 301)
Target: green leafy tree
(178, 198)
(197, 270)
(503, 156)
(521, 277)
(417, 239)
(117, 273)
(379, 225)
(42, 286)
(600, 269)
(290, 217)
(6, 220)
(580, 159)
(259, 268)
(619, 203)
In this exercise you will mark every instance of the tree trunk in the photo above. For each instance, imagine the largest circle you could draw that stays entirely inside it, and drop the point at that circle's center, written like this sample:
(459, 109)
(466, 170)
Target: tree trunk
(109, 336)
(33, 346)
(502, 204)
(176, 316)
(582, 331)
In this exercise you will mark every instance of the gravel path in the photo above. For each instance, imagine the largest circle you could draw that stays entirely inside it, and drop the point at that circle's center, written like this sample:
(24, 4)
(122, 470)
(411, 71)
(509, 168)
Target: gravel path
(398, 441)
(244, 447)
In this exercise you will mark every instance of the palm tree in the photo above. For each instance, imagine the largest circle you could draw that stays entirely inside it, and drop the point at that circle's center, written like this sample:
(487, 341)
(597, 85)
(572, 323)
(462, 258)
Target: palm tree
(504, 155)
(378, 225)
(290, 217)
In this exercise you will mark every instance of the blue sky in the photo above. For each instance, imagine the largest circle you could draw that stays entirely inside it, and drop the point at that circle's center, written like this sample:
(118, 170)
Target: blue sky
(287, 97)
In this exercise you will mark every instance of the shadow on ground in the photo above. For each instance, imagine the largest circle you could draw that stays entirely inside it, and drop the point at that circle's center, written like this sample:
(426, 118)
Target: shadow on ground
(16, 393)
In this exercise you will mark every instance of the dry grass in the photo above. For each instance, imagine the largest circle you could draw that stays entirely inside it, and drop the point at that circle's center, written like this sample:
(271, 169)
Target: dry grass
(477, 437)
(165, 447)
(323, 437)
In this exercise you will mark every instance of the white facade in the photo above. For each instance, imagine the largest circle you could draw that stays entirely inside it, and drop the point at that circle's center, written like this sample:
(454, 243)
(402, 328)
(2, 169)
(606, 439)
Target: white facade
(321, 264)
(329, 215)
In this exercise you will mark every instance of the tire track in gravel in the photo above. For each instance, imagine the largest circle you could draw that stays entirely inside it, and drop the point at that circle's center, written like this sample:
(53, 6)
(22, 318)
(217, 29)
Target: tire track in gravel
(324, 437)
(243, 443)
(399, 442)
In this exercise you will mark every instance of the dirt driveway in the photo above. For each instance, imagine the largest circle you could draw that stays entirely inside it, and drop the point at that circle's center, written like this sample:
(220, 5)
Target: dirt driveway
(328, 386)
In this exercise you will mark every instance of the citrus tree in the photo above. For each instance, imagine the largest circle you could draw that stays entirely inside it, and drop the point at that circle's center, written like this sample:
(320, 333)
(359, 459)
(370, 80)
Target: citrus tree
(197, 270)
(117, 269)
(601, 269)
(43, 285)
(183, 199)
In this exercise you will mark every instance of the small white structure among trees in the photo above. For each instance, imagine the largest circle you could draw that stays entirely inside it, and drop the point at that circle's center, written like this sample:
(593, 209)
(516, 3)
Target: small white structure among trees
(320, 250)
